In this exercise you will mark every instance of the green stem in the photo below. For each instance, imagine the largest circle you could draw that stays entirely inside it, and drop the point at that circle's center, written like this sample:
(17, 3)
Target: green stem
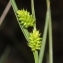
(50, 43)
(50, 36)
(33, 12)
(36, 56)
(42, 50)
(15, 8)
(48, 21)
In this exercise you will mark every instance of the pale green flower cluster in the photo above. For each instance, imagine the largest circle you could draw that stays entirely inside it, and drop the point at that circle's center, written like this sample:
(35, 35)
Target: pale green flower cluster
(25, 18)
(34, 40)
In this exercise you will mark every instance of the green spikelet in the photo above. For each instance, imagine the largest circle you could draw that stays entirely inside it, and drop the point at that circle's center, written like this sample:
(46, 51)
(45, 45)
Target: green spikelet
(34, 40)
(25, 18)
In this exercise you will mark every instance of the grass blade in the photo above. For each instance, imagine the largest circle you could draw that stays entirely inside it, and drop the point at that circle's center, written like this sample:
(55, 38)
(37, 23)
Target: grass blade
(50, 35)
(33, 12)
(41, 54)
(15, 8)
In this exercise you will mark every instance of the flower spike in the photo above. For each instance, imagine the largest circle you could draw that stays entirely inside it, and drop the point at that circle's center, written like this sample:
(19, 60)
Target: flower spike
(25, 18)
(34, 40)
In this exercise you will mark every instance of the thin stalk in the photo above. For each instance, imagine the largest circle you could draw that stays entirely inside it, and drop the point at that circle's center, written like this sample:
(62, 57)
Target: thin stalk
(50, 43)
(15, 8)
(36, 56)
(7, 8)
(33, 13)
(42, 50)
(50, 35)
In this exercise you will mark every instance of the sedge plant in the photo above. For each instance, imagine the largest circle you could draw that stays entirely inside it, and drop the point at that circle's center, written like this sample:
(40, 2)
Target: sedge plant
(34, 39)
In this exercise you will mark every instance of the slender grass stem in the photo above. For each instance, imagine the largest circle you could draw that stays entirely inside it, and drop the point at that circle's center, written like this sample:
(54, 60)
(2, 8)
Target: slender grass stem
(15, 8)
(42, 50)
(32, 8)
(50, 43)
(33, 12)
(36, 56)
(48, 21)
(50, 35)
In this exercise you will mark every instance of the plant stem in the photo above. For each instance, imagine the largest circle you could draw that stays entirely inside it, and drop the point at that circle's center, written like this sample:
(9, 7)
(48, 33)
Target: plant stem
(36, 56)
(33, 12)
(42, 50)
(48, 21)
(50, 43)
(15, 8)
(50, 35)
